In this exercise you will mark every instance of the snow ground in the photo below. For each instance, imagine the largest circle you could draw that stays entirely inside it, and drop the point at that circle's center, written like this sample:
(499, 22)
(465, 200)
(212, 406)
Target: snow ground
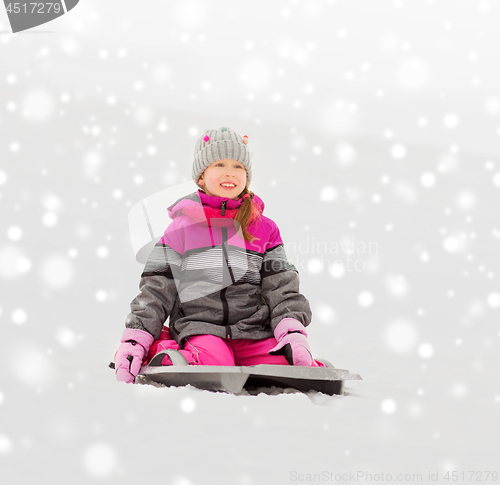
(122, 432)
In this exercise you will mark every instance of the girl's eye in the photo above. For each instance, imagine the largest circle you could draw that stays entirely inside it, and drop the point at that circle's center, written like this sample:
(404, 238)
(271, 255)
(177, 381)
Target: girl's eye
(221, 164)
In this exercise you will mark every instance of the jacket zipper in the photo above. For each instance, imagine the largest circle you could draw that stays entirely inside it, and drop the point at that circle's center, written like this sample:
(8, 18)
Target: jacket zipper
(226, 312)
(225, 264)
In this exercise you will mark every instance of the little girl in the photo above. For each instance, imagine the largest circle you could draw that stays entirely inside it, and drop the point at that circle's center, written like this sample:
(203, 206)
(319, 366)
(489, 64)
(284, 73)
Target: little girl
(220, 273)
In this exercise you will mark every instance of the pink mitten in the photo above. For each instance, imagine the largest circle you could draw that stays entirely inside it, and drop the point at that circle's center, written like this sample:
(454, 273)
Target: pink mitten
(292, 343)
(128, 358)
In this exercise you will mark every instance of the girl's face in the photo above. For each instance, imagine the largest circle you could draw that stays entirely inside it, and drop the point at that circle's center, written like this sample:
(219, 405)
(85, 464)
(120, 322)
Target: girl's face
(224, 178)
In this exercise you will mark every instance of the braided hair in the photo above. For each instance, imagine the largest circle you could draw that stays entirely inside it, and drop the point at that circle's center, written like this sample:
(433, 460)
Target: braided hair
(247, 212)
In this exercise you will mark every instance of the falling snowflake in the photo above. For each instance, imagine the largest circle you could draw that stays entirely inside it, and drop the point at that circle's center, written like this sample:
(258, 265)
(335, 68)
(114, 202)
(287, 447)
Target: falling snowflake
(100, 459)
(187, 405)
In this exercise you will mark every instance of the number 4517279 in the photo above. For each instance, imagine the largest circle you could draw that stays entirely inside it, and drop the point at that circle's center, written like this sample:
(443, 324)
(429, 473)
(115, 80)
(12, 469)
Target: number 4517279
(471, 476)
(26, 7)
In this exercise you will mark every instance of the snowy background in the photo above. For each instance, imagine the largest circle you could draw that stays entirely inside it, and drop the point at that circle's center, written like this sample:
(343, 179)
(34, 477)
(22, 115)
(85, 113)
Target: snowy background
(375, 128)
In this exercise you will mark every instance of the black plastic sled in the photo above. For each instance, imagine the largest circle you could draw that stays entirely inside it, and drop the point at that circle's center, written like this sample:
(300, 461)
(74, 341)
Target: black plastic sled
(269, 379)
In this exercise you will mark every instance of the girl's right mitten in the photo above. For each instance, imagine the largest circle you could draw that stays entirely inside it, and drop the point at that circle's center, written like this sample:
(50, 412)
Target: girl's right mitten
(130, 354)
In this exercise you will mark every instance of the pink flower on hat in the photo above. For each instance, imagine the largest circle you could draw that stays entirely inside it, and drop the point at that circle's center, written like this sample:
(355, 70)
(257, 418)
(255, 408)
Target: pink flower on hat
(206, 138)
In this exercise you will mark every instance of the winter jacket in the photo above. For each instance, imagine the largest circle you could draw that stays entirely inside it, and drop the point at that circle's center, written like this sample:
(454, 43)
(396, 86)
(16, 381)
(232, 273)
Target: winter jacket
(209, 280)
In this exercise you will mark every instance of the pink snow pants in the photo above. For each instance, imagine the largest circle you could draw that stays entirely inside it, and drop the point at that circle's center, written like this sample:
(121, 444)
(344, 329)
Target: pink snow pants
(212, 350)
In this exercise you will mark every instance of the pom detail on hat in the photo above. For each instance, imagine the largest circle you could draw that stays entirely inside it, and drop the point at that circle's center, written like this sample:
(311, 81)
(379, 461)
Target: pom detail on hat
(206, 138)
(245, 140)
(223, 128)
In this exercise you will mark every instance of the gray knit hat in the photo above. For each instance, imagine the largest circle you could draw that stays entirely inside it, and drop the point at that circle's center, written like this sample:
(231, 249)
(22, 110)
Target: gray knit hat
(218, 144)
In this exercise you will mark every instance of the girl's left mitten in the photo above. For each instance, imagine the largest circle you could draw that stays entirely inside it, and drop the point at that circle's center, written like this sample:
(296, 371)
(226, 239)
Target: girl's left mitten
(292, 343)
(134, 346)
